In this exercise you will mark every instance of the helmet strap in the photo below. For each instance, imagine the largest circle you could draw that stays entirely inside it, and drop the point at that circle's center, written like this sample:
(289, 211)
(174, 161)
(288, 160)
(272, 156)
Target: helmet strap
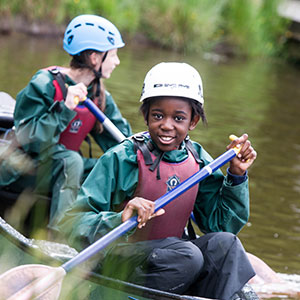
(98, 75)
(104, 56)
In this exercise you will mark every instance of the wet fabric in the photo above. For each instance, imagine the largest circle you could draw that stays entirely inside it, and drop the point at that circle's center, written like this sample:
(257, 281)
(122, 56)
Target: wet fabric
(83, 122)
(169, 264)
(226, 266)
(219, 205)
(39, 122)
(213, 266)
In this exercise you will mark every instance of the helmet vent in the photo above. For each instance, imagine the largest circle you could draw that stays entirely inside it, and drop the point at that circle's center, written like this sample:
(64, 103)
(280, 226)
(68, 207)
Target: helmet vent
(101, 28)
(70, 39)
(111, 40)
(111, 33)
(200, 91)
(89, 24)
(78, 25)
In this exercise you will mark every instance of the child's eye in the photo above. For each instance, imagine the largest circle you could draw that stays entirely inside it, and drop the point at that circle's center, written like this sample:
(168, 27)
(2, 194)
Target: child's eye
(179, 118)
(157, 116)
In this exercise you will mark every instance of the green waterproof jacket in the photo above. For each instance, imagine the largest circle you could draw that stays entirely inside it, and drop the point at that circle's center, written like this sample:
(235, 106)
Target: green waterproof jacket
(220, 205)
(39, 123)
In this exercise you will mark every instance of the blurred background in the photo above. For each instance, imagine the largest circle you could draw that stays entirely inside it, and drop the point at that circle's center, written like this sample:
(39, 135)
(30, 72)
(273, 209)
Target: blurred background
(248, 54)
(232, 27)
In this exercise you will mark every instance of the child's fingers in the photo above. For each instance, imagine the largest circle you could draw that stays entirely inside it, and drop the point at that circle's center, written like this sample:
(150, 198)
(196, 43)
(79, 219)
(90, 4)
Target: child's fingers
(244, 149)
(245, 156)
(75, 94)
(158, 213)
(145, 211)
(237, 141)
(250, 155)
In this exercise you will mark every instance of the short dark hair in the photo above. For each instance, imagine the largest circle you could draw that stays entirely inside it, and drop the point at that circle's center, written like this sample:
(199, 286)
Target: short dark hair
(197, 107)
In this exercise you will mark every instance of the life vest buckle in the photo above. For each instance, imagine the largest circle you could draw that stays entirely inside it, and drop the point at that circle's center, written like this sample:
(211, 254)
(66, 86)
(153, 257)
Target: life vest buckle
(139, 137)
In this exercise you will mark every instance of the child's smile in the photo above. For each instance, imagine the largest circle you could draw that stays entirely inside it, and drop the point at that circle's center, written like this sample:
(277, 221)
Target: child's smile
(169, 122)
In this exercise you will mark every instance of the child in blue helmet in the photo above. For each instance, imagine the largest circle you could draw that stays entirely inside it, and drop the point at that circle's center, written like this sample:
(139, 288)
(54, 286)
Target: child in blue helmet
(50, 126)
(130, 176)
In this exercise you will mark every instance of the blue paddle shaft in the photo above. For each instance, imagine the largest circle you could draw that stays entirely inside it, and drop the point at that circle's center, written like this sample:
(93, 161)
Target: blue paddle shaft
(196, 178)
(159, 203)
(107, 124)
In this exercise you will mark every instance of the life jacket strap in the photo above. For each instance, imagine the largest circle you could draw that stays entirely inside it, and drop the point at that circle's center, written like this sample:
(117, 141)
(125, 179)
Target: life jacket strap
(191, 148)
(59, 77)
(156, 165)
(139, 143)
(146, 148)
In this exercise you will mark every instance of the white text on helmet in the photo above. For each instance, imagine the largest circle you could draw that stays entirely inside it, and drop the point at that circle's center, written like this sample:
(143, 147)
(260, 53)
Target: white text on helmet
(171, 85)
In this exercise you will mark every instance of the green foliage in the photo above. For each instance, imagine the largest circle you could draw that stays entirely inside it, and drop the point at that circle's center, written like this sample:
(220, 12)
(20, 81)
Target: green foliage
(8, 7)
(190, 27)
(253, 27)
(31, 10)
(124, 13)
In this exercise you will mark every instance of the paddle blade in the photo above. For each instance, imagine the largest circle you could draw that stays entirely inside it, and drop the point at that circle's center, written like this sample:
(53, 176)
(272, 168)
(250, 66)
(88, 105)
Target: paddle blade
(31, 281)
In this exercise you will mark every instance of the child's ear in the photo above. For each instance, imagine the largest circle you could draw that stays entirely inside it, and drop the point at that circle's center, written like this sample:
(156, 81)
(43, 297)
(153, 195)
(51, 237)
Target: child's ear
(194, 122)
(94, 57)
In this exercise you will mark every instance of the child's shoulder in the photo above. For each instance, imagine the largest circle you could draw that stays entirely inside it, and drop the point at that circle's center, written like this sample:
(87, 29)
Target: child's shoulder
(42, 77)
(40, 85)
(204, 155)
(122, 150)
(120, 155)
(196, 145)
(125, 145)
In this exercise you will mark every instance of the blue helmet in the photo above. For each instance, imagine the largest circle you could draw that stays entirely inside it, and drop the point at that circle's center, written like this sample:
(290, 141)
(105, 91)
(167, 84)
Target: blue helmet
(91, 32)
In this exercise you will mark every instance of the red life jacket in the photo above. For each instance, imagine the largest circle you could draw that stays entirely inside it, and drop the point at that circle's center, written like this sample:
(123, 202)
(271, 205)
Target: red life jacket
(81, 125)
(177, 212)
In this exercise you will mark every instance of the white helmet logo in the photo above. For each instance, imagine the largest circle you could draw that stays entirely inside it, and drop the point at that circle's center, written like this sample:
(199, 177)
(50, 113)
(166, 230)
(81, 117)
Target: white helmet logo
(171, 85)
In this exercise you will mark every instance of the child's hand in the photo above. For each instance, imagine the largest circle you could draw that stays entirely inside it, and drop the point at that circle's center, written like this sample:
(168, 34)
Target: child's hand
(75, 93)
(143, 208)
(245, 158)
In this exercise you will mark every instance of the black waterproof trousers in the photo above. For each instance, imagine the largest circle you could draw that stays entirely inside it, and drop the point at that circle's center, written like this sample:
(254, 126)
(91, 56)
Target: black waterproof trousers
(213, 266)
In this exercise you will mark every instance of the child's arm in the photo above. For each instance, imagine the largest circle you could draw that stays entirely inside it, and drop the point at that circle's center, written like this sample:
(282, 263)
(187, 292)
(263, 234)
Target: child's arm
(97, 207)
(222, 202)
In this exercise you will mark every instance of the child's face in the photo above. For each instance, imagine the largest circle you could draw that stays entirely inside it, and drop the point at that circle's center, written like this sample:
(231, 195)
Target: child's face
(110, 63)
(169, 122)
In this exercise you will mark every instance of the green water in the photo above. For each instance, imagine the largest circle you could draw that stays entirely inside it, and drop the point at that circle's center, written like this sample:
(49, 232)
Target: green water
(259, 97)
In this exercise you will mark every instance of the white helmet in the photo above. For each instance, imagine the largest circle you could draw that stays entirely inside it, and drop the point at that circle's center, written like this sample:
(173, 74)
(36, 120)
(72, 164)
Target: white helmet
(173, 79)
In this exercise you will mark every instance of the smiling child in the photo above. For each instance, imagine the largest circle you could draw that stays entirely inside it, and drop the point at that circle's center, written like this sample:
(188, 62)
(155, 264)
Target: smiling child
(130, 176)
